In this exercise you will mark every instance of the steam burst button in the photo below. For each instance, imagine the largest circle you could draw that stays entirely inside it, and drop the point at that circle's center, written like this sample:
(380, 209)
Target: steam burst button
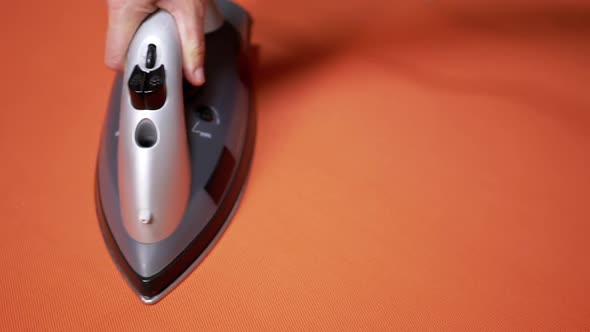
(147, 91)
(155, 89)
(136, 87)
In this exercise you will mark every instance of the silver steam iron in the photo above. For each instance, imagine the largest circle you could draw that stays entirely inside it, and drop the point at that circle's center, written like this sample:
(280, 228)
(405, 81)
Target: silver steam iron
(173, 158)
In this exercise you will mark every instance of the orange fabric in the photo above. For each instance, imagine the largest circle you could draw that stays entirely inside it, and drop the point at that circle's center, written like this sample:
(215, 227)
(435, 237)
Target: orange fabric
(420, 165)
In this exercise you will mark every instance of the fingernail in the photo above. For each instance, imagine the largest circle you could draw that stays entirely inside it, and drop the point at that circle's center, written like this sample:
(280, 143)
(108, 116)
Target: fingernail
(200, 75)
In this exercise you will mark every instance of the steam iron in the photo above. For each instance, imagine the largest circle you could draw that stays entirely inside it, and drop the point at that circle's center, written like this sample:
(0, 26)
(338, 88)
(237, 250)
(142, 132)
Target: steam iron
(173, 158)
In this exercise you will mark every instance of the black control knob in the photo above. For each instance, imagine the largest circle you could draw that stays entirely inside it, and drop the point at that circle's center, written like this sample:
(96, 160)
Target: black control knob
(205, 113)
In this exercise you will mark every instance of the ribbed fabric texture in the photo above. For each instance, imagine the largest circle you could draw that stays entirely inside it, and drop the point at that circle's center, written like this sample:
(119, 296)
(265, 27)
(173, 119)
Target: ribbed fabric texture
(419, 166)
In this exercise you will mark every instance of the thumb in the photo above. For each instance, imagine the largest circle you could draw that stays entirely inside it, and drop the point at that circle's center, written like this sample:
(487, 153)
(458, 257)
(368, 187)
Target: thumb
(189, 15)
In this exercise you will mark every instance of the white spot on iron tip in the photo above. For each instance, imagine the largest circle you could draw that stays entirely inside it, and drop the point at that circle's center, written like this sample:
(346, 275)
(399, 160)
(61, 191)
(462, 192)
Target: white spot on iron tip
(145, 217)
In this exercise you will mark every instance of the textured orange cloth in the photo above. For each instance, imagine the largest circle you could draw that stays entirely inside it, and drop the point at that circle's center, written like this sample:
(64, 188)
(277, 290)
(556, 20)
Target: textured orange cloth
(420, 165)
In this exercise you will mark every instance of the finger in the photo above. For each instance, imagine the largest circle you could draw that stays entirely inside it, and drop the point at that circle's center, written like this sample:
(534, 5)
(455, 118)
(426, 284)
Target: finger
(189, 15)
(124, 18)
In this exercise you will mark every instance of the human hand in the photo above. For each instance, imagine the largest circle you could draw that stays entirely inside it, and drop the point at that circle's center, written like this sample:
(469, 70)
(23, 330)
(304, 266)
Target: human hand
(125, 16)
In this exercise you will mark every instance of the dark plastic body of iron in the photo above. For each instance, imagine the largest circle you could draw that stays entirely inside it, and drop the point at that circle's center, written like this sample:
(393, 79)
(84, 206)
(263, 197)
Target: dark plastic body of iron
(166, 190)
